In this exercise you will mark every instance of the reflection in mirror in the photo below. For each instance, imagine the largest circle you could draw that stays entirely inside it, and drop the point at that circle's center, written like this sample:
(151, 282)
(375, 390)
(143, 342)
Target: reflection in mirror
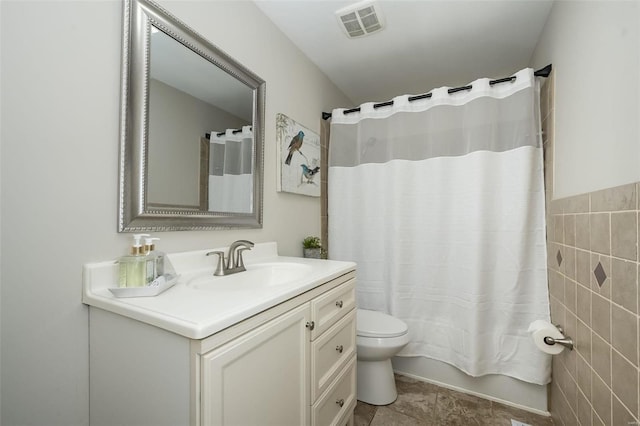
(191, 146)
(229, 171)
(189, 98)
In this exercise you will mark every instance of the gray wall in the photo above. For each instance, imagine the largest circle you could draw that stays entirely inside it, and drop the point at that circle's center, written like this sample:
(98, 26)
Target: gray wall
(595, 50)
(60, 105)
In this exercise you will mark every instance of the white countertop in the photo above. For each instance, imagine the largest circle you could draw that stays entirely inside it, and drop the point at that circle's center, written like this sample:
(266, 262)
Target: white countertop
(196, 313)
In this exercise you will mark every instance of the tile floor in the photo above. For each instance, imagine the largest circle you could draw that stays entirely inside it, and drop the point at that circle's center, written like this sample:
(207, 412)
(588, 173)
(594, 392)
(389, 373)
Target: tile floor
(425, 404)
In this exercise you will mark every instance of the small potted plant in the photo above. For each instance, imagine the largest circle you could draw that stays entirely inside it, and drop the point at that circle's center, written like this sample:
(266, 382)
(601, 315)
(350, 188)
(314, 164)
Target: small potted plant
(312, 248)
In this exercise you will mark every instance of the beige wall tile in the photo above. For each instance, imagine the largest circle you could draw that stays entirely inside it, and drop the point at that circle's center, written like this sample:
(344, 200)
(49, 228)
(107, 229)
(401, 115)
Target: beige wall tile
(596, 420)
(621, 416)
(571, 393)
(556, 207)
(583, 268)
(569, 261)
(557, 310)
(558, 233)
(599, 229)
(583, 304)
(556, 285)
(604, 289)
(554, 404)
(614, 199)
(582, 231)
(569, 358)
(583, 341)
(624, 284)
(583, 373)
(601, 358)
(601, 399)
(625, 381)
(624, 235)
(570, 230)
(624, 333)
(552, 256)
(544, 103)
(584, 410)
(577, 204)
(600, 316)
(570, 295)
(568, 387)
(550, 227)
(560, 406)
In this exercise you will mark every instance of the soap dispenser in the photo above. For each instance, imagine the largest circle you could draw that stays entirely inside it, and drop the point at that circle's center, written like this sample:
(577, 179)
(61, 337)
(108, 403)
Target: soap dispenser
(159, 260)
(132, 268)
(155, 260)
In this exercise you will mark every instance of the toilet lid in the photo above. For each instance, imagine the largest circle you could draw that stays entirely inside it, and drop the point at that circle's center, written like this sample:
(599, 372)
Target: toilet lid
(378, 324)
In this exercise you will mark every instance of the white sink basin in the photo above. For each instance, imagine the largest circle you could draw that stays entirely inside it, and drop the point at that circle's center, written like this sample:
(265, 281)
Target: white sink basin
(258, 275)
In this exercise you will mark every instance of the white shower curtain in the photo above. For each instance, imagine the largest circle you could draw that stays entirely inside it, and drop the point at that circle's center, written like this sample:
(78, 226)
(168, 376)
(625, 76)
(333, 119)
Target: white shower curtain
(230, 166)
(440, 201)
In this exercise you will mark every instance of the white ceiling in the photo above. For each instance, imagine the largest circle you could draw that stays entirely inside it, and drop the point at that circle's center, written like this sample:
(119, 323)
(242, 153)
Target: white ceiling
(425, 43)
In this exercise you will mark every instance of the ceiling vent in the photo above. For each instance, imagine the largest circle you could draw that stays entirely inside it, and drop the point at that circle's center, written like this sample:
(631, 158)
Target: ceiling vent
(360, 19)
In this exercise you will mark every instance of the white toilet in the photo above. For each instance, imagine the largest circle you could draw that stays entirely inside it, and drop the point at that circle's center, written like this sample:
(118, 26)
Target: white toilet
(379, 337)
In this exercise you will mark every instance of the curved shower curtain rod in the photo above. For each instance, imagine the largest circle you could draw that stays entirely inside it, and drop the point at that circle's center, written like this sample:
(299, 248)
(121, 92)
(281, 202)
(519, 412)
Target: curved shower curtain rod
(543, 72)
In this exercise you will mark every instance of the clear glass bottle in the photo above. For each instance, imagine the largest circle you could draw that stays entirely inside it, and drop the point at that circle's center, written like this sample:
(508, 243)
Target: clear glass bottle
(132, 268)
(151, 268)
(159, 262)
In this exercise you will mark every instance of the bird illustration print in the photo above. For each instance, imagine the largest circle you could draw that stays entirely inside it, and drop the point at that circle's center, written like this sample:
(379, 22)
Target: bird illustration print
(308, 174)
(296, 143)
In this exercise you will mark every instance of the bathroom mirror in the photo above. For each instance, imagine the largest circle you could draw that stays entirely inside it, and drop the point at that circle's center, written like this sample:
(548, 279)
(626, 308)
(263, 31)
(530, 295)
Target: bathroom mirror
(192, 126)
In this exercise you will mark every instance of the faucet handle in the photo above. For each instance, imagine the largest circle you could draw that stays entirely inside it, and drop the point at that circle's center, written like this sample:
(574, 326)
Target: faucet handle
(220, 267)
(239, 260)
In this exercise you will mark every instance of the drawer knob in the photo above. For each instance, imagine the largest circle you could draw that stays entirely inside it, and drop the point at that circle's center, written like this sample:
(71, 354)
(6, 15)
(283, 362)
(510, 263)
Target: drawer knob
(340, 402)
(339, 348)
(310, 325)
(339, 303)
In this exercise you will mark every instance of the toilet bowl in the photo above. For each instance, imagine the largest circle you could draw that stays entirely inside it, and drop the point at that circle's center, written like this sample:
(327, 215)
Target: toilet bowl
(379, 337)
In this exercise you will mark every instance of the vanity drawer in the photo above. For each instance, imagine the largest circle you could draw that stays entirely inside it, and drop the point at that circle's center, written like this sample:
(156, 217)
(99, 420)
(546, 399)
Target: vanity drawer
(331, 352)
(328, 308)
(336, 405)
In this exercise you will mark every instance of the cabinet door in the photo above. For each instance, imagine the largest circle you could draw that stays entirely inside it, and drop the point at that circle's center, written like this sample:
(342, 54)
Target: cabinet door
(260, 378)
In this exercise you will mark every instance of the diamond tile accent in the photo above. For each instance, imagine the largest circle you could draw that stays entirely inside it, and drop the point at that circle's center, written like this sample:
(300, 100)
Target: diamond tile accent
(600, 274)
(559, 258)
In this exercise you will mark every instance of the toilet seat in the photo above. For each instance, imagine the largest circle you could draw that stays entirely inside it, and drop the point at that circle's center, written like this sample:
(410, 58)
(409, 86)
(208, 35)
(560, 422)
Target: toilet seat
(378, 324)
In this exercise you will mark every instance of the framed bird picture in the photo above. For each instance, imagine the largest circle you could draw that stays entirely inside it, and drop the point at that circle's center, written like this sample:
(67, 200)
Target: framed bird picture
(298, 157)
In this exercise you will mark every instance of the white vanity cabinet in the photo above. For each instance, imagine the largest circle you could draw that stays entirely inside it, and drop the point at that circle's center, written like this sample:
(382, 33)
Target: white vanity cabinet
(293, 364)
(296, 369)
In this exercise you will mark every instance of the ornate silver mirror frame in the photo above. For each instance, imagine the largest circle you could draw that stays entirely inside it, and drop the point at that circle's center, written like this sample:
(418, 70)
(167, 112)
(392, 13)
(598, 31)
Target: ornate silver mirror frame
(135, 214)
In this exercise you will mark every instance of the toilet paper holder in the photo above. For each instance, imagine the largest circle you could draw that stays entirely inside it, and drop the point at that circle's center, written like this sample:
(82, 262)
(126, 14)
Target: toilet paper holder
(567, 342)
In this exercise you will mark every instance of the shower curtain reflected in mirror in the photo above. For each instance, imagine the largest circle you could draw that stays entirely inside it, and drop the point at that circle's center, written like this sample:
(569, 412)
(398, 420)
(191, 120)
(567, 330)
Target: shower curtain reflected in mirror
(440, 201)
(230, 171)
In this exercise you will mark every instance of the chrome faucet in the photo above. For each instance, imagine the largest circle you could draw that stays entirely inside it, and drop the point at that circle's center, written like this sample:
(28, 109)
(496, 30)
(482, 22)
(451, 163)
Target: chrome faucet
(234, 262)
